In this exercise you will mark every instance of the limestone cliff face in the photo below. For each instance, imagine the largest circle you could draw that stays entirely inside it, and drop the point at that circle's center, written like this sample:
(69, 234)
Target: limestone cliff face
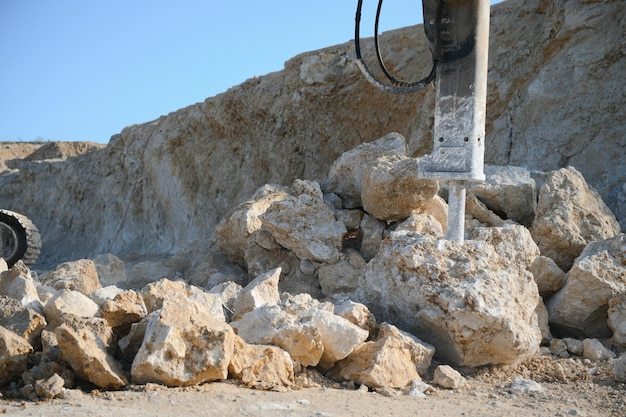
(556, 97)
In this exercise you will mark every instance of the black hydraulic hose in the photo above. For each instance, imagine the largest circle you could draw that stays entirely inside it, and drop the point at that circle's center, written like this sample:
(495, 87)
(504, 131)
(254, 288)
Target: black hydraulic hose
(397, 86)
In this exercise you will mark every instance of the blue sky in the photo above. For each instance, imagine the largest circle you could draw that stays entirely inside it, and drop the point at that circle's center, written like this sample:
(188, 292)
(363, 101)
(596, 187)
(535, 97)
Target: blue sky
(80, 70)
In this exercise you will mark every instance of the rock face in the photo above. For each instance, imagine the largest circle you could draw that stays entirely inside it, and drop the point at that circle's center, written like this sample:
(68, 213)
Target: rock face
(555, 99)
(474, 306)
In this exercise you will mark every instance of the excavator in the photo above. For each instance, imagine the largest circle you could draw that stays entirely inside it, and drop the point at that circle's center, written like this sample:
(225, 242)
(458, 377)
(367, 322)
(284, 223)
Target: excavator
(458, 32)
(19, 239)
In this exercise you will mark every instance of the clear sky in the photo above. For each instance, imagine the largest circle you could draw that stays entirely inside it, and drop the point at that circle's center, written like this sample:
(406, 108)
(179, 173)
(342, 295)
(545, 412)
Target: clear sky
(80, 70)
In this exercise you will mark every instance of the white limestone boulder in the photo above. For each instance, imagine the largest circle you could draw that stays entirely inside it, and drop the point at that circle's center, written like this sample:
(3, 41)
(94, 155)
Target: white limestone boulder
(393, 190)
(570, 215)
(510, 191)
(263, 290)
(358, 314)
(395, 359)
(14, 351)
(305, 224)
(88, 356)
(261, 366)
(595, 351)
(511, 241)
(155, 293)
(239, 225)
(343, 275)
(598, 275)
(69, 303)
(18, 283)
(270, 325)
(548, 276)
(447, 377)
(185, 344)
(339, 336)
(22, 321)
(80, 276)
(473, 305)
(124, 310)
(348, 171)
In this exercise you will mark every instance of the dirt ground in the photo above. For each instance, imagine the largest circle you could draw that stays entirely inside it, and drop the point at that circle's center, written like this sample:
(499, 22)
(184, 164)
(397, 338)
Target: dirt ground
(568, 387)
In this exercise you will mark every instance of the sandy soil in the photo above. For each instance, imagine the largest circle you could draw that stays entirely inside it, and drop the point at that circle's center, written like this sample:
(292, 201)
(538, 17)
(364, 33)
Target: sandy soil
(568, 388)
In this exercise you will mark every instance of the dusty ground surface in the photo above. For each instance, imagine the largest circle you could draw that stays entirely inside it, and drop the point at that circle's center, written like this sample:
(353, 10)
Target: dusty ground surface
(568, 387)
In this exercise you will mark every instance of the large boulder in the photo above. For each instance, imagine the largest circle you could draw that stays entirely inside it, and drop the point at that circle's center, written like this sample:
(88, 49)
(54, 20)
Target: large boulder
(234, 231)
(305, 224)
(570, 215)
(394, 359)
(392, 189)
(509, 191)
(598, 275)
(24, 322)
(512, 242)
(185, 344)
(271, 325)
(18, 283)
(80, 276)
(88, 356)
(263, 290)
(339, 336)
(14, 351)
(473, 305)
(348, 172)
(261, 366)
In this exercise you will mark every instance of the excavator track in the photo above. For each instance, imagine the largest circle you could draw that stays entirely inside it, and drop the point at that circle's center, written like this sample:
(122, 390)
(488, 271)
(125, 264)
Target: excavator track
(19, 238)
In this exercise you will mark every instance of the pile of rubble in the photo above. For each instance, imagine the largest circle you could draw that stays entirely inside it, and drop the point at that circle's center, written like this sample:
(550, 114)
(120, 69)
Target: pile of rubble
(350, 276)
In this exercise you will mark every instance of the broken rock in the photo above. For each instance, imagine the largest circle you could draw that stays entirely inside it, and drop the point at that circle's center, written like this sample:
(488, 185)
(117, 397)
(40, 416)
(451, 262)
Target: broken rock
(22, 321)
(235, 230)
(80, 276)
(89, 358)
(69, 302)
(394, 360)
(185, 344)
(261, 367)
(260, 291)
(339, 336)
(447, 377)
(348, 171)
(270, 325)
(474, 306)
(14, 351)
(305, 224)
(570, 215)
(548, 276)
(598, 275)
(392, 189)
(508, 190)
